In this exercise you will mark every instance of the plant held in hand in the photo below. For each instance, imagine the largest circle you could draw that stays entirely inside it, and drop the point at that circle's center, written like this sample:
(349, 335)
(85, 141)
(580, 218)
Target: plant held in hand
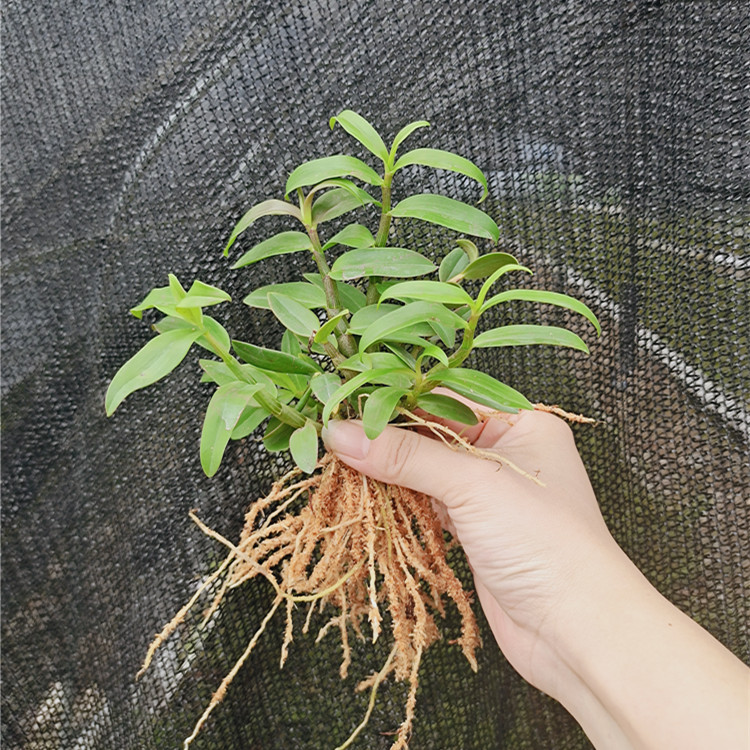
(370, 332)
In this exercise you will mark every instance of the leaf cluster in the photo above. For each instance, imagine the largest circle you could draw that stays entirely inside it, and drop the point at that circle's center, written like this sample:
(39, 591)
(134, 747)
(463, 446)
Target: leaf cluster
(370, 330)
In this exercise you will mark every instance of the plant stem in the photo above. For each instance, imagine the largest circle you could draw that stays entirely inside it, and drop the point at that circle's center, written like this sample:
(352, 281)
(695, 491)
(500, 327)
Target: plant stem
(381, 238)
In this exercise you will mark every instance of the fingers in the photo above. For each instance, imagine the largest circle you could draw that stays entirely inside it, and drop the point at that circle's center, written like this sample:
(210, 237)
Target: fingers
(402, 457)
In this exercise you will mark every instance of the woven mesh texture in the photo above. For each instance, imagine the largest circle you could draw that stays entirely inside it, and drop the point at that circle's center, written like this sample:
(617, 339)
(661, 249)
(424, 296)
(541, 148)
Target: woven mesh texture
(614, 135)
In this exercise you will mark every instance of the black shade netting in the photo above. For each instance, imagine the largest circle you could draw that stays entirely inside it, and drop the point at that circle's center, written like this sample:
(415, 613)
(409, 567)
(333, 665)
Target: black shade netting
(615, 139)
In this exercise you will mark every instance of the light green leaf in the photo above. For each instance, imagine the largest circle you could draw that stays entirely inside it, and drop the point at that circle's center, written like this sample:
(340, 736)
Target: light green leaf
(485, 265)
(324, 385)
(482, 388)
(216, 331)
(447, 408)
(452, 264)
(162, 298)
(352, 235)
(222, 416)
(308, 295)
(525, 335)
(271, 207)
(408, 315)
(373, 361)
(449, 213)
(318, 170)
(202, 295)
(379, 408)
(328, 327)
(370, 314)
(364, 378)
(359, 128)
(270, 359)
(337, 202)
(493, 277)
(276, 436)
(428, 291)
(438, 159)
(404, 133)
(446, 333)
(550, 298)
(430, 350)
(279, 244)
(293, 315)
(303, 444)
(155, 360)
(379, 261)
(248, 422)
(471, 250)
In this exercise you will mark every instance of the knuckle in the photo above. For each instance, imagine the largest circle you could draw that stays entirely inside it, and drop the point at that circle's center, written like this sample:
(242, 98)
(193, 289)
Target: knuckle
(399, 453)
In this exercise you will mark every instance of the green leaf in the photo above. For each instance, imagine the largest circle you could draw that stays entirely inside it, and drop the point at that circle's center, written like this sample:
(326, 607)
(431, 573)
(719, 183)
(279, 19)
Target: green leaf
(279, 244)
(469, 248)
(162, 298)
(217, 332)
(449, 213)
(370, 314)
(324, 385)
(270, 359)
(318, 170)
(373, 361)
(293, 316)
(482, 388)
(303, 444)
(202, 295)
(380, 261)
(350, 297)
(438, 159)
(308, 295)
(404, 133)
(447, 408)
(414, 312)
(446, 333)
(379, 408)
(525, 335)
(486, 265)
(223, 414)
(248, 422)
(290, 344)
(452, 264)
(430, 350)
(550, 298)
(266, 208)
(276, 436)
(359, 128)
(328, 327)
(352, 235)
(155, 360)
(428, 291)
(337, 202)
(364, 378)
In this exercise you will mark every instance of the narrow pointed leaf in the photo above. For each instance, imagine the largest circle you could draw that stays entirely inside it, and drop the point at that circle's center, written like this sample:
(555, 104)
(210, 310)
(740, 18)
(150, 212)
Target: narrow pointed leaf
(359, 128)
(328, 327)
(404, 133)
(352, 235)
(447, 408)
(293, 315)
(216, 331)
(482, 388)
(223, 413)
(446, 333)
(525, 335)
(428, 291)
(350, 297)
(452, 264)
(249, 421)
(358, 381)
(337, 202)
(399, 262)
(550, 298)
(471, 250)
(374, 361)
(430, 350)
(318, 170)
(271, 207)
(202, 295)
(279, 244)
(438, 159)
(446, 212)
(276, 436)
(155, 360)
(403, 317)
(308, 295)
(162, 298)
(370, 314)
(303, 444)
(378, 409)
(270, 359)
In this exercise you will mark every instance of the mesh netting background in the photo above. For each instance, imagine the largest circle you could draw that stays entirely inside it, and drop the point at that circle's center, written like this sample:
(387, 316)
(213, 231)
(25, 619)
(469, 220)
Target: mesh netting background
(615, 137)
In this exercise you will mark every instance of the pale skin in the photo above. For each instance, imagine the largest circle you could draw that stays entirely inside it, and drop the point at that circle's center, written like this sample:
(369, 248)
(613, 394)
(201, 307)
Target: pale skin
(570, 611)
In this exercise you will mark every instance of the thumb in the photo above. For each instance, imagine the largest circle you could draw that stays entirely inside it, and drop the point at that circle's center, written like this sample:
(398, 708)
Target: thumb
(402, 457)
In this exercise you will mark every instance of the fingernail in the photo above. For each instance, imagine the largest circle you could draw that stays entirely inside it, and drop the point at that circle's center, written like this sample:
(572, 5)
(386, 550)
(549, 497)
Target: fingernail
(346, 438)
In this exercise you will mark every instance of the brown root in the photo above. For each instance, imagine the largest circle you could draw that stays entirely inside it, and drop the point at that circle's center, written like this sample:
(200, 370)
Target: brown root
(353, 544)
